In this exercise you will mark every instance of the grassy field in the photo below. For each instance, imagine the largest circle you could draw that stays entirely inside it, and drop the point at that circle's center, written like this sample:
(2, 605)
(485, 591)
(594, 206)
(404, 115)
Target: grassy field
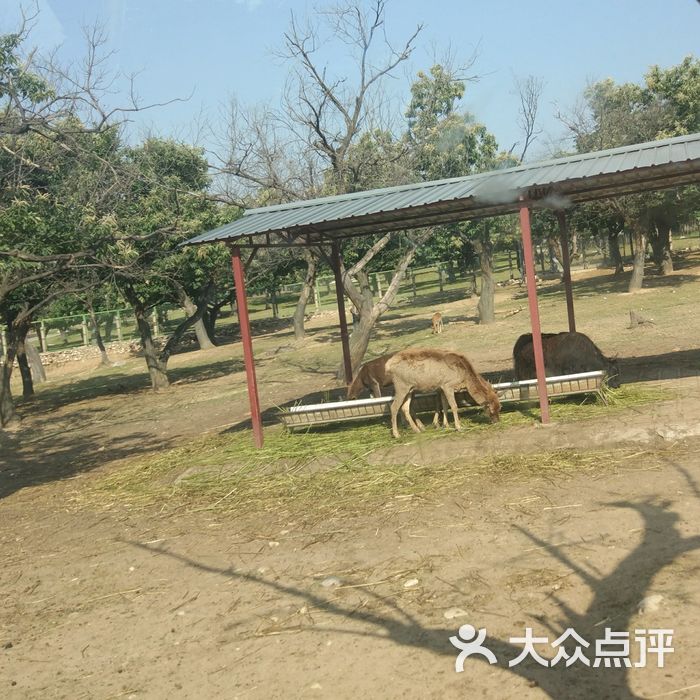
(426, 284)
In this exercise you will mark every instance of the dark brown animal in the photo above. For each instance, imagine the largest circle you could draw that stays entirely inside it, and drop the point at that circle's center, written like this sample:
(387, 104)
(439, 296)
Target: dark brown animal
(372, 376)
(564, 353)
(433, 370)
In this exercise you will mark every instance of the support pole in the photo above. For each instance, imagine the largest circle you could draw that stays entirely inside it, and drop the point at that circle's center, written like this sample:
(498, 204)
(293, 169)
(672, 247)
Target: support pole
(534, 311)
(340, 297)
(248, 359)
(566, 262)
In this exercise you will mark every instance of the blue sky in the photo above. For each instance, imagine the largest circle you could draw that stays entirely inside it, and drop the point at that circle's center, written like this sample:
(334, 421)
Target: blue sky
(216, 49)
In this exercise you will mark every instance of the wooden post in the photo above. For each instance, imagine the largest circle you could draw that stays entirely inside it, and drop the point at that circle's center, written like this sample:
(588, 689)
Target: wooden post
(378, 277)
(441, 281)
(534, 311)
(340, 298)
(84, 329)
(413, 285)
(247, 342)
(118, 321)
(317, 298)
(566, 262)
(3, 342)
(156, 328)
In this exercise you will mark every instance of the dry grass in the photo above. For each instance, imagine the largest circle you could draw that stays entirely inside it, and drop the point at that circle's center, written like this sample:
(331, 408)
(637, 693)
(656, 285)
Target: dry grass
(326, 471)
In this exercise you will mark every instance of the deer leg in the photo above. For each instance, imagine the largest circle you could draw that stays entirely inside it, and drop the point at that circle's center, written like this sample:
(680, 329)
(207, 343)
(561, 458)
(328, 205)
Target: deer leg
(375, 388)
(450, 394)
(400, 394)
(406, 408)
(443, 401)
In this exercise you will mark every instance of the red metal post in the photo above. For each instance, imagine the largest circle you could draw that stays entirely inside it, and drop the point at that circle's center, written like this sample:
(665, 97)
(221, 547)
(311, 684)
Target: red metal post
(340, 297)
(534, 311)
(248, 359)
(566, 262)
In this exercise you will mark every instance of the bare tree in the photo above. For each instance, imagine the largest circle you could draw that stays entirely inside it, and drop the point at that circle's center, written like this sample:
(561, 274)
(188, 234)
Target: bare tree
(529, 92)
(304, 149)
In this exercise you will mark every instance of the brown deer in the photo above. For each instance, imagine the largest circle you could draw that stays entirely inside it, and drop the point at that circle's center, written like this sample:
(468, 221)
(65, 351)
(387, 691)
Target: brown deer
(437, 323)
(564, 353)
(433, 370)
(372, 376)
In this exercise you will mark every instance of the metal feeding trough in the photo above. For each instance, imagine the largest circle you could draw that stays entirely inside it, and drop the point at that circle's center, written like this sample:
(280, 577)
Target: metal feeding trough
(364, 409)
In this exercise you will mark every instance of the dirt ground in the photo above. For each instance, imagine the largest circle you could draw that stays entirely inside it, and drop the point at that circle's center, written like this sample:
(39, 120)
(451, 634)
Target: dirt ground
(109, 600)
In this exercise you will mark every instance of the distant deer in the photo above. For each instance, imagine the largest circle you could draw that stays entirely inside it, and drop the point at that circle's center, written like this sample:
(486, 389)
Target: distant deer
(432, 370)
(437, 323)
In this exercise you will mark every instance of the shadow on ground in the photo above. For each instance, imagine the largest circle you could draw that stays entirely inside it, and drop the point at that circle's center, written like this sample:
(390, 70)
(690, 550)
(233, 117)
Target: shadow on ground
(31, 459)
(614, 598)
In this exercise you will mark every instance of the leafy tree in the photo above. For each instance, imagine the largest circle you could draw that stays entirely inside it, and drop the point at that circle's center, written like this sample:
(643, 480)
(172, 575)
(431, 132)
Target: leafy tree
(666, 104)
(158, 201)
(446, 143)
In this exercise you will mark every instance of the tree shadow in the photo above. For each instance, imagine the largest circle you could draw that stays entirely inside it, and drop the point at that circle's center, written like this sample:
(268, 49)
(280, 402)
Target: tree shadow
(114, 383)
(30, 459)
(614, 599)
(608, 284)
(662, 366)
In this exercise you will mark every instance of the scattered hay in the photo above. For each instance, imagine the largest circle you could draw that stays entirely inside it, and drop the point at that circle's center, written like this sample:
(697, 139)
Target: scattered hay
(233, 476)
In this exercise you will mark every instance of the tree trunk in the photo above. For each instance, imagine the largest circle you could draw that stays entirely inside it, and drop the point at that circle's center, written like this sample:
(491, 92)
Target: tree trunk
(364, 319)
(156, 368)
(18, 335)
(7, 404)
(306, 292)
(640, 245)
(362, 298)
(484, 249)
(615, 257)
(210, 316)
(35, 365)
(661, 247)
(200, 329)
(104, 359)
(555, 255)
(190, 321)
(109, 326)
(573, 244)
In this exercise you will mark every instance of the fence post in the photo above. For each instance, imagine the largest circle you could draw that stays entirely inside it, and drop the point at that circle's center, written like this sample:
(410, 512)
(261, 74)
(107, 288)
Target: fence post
(413, 285)
(440, 280)
(84, 329)
(317, 298)
(3, 342)
(379, 285)
(42, 337)
(118, 321)
(156, 329)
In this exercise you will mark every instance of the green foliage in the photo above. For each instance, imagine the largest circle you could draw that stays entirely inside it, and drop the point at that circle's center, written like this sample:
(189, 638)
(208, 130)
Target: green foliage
(666, 104)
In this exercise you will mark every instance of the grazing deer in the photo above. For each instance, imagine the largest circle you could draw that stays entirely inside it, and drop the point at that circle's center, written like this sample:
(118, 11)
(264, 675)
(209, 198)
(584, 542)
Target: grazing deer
(432, 370)
(564, 353)
(372, 376)
(437, 323)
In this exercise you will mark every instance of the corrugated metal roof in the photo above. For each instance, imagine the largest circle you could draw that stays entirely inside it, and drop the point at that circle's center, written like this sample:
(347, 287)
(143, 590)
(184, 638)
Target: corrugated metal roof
(581, 177)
